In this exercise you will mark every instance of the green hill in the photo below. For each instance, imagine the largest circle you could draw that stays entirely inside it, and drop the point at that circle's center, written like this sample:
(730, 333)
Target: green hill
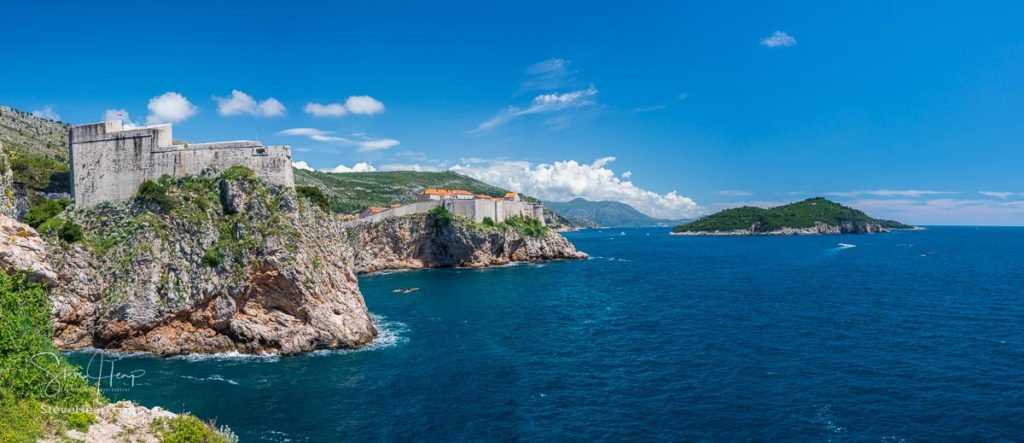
(803, 214)
(596, 214)
(351, 192)
(37, 149)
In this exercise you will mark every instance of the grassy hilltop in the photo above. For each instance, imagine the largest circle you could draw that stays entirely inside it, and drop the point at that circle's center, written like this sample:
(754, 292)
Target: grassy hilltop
(351, 192)
(803, 214)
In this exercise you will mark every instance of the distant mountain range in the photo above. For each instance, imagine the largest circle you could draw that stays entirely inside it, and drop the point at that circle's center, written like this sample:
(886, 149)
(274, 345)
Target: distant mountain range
(600, 214)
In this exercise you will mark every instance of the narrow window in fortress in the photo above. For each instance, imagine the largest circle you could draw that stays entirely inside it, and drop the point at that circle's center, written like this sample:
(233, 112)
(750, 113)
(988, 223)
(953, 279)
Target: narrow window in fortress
(259, 151)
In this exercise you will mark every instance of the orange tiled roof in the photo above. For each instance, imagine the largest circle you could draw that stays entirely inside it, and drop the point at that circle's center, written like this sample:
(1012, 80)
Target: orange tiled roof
(375, 209)
(510, 195)
(444, 192)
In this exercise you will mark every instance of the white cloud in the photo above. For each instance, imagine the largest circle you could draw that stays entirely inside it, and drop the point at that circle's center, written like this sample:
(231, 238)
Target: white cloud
(170, 107)
(891, 193)
(649, 108)
(627, 174)
(547, 75)
(733, 193)
(47, 112)
(302, 165)
(241, 103)
(1000, 194)
(363, 142)
(313, 134)
(363, 104)
(945, 210)
(565, 180)
(682, 96)
(358, 167)
(541, 104)
(779, 39)
(119, 114)
(328, 110)
(377, 144)
(356, 104)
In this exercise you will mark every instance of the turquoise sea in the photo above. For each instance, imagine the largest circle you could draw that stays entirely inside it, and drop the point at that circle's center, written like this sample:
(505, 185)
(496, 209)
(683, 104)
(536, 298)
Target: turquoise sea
(908, 336)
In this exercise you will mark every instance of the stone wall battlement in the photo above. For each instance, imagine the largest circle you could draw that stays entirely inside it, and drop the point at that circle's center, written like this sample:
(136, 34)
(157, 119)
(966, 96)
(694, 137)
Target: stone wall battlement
(109, 162)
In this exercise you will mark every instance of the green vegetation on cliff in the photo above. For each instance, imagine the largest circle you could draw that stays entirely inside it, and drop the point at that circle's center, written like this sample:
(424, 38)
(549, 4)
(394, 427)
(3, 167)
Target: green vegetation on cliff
(352, 192)
(803, 214)
(41, 392)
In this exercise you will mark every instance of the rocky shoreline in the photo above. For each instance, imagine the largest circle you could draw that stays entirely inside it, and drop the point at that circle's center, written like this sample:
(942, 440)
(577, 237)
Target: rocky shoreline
(818, 229)
(257, 271)
(418, 242)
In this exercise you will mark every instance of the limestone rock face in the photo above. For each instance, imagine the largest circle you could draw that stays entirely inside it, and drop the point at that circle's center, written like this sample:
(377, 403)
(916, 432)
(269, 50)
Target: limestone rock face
(7, 191)
(21, 249)
(414, 242)
(255, 272)
(818, 228)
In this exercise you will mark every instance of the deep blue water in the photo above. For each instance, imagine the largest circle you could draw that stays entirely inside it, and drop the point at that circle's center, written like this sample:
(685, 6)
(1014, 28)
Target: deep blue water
(909, 336)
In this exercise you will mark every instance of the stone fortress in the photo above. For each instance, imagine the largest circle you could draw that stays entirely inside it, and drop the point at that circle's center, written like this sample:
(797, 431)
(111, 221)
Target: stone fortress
(109, 162)
(461, 202)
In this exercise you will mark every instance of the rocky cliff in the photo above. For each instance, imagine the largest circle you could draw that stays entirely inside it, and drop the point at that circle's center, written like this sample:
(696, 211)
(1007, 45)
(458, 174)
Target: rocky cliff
(818, 228)
(204, 265)
(421, 241)
(7, 191)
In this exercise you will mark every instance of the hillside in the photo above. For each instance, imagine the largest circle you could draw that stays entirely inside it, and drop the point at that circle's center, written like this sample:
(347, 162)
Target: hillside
(807, 214)
(36, 154)
(26, 135)
(596, 214)
(351, 192)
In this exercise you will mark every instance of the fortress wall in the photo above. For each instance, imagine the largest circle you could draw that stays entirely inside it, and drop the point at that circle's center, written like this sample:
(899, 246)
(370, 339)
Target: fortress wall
(474, 210)
(410, 209)
(108, 166)
(214, 158)
(109, 163)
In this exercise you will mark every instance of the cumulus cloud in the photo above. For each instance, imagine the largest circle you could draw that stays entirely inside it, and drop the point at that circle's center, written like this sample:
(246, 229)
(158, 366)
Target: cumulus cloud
(364, 104)
(119, 114)
(361, 141)
(540, 104)
(550, 74)
(239, 103)
(358, 167)
(778, 39)
(302, 165)
(171, 107)
(47, 112)
(356, 104)
(328, 110)
(565, 180)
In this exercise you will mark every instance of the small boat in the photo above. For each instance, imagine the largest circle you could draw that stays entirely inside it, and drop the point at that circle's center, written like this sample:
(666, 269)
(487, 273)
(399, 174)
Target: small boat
(846, 245)
(411, 290)
(397, 290)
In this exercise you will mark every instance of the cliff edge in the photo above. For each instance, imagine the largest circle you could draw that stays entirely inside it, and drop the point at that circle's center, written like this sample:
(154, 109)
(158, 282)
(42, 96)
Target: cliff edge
(429, 241)
(205, 265)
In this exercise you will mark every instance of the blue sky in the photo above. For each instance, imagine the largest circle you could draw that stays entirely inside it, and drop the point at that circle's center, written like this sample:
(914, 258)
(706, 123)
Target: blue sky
(912, 111)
